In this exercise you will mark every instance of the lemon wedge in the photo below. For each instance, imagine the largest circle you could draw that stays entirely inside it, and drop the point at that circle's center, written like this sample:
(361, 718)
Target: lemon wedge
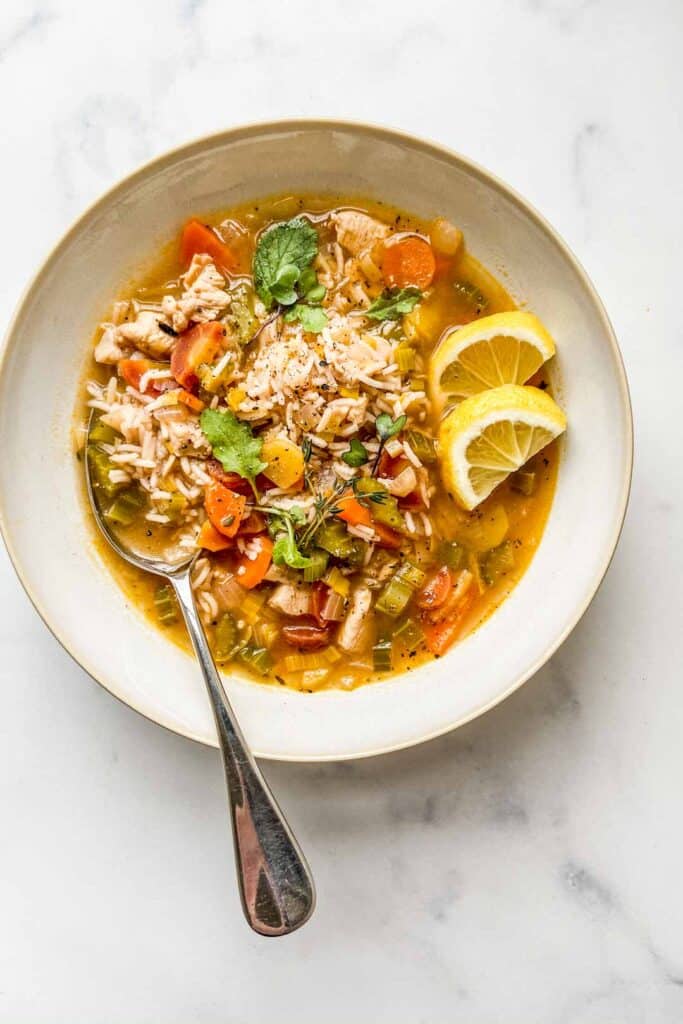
(505, 348)
(490, 435)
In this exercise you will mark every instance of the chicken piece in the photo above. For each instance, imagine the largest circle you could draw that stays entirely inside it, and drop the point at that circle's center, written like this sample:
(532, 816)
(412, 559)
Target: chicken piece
(204, 297)
(145, 335)
(291, 600)
(357, 232)
(402, 484)
(107, 349)
(356, 628)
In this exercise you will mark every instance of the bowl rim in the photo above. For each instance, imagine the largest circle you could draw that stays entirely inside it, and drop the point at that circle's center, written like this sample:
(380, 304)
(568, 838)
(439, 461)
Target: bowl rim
(398, 136)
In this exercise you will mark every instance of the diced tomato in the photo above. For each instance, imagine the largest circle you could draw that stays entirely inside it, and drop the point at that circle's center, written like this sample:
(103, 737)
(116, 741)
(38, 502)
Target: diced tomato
(306, 637)
(200, 344)
(200, 238)
(233, 481)
(411, 502)
(211, 540)
(133, 370)
(250, 571)
(436, 590)
(224, 508)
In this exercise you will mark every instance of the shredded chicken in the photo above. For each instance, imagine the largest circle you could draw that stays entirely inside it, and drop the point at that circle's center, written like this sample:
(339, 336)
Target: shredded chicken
(403, 484)
(358, 623)
(357, 232)
(291, 600)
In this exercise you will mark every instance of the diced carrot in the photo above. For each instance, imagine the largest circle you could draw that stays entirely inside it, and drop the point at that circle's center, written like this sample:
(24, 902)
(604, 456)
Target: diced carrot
(250, 571)
(199, 238)
(211, 540)
(441, 636)
(386, 537)
(353, 513)
(133, 370)
(224, 508)
(436, 590)
(200, 344)
(408, 260)
(252, 523)
(191, 401)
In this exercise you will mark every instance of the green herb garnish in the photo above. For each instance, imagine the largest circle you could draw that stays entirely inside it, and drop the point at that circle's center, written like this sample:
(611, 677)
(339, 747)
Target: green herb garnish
(312, 318)
(357, 455)
(393, 303)
(285, 550)
(386, 428)
(233, 444)
(283, 252)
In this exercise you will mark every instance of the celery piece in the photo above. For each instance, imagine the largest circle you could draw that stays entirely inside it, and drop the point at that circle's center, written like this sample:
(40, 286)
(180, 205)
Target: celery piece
(394, 597)
(357, 553)
(334, 538)
(381, 655)
(423, 446)
(174, 507)
(338, 582)
(102, 433)
(452, 554)
(256, 658)
(404, 357)
(126, 507)
(410, 574)
(497, 562)
(225, 641)
(524, 482)
(100, 467)
(166, 604)
(318, 565)
(383, 506)
(409, 634)
(472, 295)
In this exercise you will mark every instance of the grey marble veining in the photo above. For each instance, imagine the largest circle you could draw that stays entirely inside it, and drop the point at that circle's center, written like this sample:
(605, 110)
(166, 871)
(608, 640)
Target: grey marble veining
(523, 870)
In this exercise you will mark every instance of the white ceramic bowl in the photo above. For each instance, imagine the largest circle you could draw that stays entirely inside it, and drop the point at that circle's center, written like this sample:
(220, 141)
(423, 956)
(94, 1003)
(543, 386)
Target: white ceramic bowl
(43, 517)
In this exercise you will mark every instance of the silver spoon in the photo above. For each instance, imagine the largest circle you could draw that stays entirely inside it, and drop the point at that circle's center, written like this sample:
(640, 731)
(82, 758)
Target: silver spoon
(276, 886)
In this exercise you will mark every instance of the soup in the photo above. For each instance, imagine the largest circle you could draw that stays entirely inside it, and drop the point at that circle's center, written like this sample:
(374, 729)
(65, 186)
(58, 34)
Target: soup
(323, 399)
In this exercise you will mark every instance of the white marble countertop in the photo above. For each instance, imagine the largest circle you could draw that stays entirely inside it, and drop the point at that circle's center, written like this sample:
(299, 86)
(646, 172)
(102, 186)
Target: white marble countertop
(523, 869)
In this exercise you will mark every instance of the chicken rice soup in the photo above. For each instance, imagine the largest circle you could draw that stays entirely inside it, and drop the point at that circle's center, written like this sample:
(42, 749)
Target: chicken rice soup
(346, 417)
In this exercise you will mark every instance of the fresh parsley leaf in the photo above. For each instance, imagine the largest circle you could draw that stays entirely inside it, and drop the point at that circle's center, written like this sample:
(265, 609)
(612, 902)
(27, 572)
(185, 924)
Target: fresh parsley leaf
(297, 514)
(293, 243)
(308, 280)
(285, 552)
(312, 318)
(386, 427)
(233, 444)
(393, 303)
(357, 455)
(316, 293)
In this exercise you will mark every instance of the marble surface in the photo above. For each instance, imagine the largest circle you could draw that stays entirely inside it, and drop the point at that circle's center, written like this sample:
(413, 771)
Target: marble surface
(523, 869)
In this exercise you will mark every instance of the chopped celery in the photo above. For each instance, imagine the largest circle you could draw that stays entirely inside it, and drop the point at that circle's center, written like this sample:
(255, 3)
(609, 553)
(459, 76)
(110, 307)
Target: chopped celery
(313, 678)
(305, 662)
(338, 582)
(404, 356)
(257, 658)
(318, 565)
(334, 538)
(102, 433)
(241, 320)
(174, 507)
(357, 553)
(225, 638)
(423, 446)
(524, 482)
(383, 506)
(472, 295)
(100, 467)
(265, 633)
(381, 655)
(410, 574)
(251, 605)
(497, 562)
(126, 507)
(452, 554)
(394, 597)
(212, 379)
(418, 384)
(166, 605)
(409, 634)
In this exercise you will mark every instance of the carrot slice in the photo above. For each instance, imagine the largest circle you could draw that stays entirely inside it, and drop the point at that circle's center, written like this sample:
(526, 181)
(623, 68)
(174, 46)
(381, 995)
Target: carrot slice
(436, 590)
(210, 539)
(386, 537)
(353, 513)
(133, 370)
(224, 508)
(191, 401)
(199, 238)
(200, 344)
(408, 260)
(441, 636)
(250, 571)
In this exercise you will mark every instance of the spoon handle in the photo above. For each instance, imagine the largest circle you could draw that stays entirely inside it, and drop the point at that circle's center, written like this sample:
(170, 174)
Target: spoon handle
(276, 886)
